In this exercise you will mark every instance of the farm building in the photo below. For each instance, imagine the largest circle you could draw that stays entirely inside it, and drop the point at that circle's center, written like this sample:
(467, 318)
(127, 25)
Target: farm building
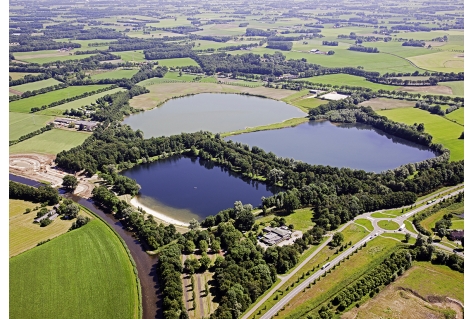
(275, 235)
(86, 125)
(333, 96)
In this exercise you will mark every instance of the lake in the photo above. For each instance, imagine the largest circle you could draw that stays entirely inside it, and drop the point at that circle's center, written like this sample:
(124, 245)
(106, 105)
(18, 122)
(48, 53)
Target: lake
(184, 188)
(357, 146)
(212, 112)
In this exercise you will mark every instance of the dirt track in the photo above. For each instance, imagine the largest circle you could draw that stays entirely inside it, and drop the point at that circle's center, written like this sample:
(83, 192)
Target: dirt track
(42, 168)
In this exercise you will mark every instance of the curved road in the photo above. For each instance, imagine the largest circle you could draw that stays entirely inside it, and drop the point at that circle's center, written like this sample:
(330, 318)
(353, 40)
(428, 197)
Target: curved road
(377, 231)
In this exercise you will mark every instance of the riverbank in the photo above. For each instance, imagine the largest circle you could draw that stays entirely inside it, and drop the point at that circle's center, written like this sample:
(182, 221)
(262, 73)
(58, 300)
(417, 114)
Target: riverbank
(134, 202)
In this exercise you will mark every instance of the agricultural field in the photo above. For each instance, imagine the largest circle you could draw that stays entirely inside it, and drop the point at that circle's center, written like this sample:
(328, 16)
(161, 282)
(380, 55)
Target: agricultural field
(442, 130)
(50, 142)
(347, 79)
(25, 105)
(457, 116)
(21, 124)
(85, 273)
(382, 103)
(47, 56)
(457, 87)
(59, 110)
(24, 234)
(133, 56)
(115, 74)
(177, 62)
(35, 85)
(423, 278)
(20, 75)
(444, 61)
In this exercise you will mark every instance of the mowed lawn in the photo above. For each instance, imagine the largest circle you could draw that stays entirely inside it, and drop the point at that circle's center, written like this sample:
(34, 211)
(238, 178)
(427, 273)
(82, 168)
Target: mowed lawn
(35, 85)
(50, 142)
(300, 219)
(115, 74)
(59, 110)
(347, 79)
(24, 234)
(85, 273)
(442, 130)
(21, 123)
(177, 62)
(25, 105)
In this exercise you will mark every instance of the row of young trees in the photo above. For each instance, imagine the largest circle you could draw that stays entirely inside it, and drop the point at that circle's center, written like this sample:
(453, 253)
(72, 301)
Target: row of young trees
(361, 48)
(29, 78)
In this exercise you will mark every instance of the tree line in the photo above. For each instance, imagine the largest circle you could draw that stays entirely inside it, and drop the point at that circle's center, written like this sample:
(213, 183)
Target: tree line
(29, 78)
(48, 127)
(27, 94)
(360, 48)
(41, 194)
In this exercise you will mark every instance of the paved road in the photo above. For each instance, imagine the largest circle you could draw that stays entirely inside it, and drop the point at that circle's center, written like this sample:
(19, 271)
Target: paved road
(377, 231)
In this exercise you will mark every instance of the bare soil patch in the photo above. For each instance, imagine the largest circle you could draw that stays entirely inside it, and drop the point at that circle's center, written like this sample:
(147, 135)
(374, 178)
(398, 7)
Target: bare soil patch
(162, 92)
(15, 91)
(431, 89)
(387, 104)
(41, 168)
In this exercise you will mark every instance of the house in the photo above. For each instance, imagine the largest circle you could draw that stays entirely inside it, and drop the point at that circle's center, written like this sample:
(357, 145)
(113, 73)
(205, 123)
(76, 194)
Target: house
(276, 235)
(456, 235)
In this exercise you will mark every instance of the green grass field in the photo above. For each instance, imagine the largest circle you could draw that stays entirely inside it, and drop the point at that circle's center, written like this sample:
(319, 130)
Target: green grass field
(24, 234)
(410, 226)
(443, 61)
(85, 273)
(388, 225)
(21, 124)
(457, 116)
(25, 105)
(306, 104)
(177, 62)
(46, 56)
(382, 215)
(399, 237)
(50, 142)
(300, 219)
(35, 85)
(59, 110)
(456, 86)
(442, 130)
(430, 221)
(347, 79)
(20, 75)
(115, 74)
(366, 223)
(136, 56)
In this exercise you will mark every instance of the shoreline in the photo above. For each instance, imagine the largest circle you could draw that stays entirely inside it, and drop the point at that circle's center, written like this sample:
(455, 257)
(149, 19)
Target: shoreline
(134, 202)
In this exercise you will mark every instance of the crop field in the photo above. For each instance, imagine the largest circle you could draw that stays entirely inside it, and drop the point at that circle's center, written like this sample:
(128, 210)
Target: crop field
(115, 74)
(24, 234)
(444, 61)
(457, 87)
(21, 124)
(300, 219)
(59, 110)
(388, 225)
(381, 103)
(25, 105)
(47, 56)
(35, 85)
(424, 278)
(50, 142)
(85, 273)
(164, 91)
(347, 79)
(135, 56)
(339, 278)
(177, 62)
(442, 130)
(20, 75)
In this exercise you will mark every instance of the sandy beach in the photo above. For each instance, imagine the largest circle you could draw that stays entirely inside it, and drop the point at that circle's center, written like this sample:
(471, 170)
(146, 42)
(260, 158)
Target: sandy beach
(158, 215)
